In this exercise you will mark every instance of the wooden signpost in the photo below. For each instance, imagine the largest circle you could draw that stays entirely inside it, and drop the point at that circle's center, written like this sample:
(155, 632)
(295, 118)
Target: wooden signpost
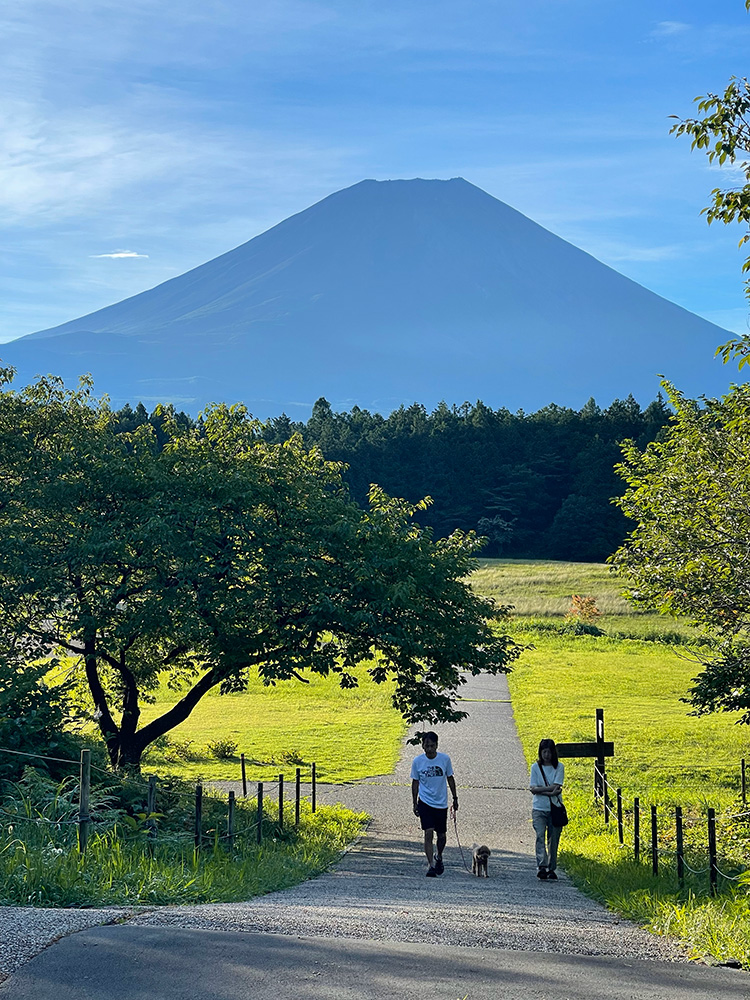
(599, 749)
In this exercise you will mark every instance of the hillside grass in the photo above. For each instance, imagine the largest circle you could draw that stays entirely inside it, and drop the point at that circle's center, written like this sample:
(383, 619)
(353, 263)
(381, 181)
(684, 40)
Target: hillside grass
(637, 673)
(543, 589)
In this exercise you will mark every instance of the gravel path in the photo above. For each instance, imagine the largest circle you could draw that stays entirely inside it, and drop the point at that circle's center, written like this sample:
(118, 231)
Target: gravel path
(378, 890)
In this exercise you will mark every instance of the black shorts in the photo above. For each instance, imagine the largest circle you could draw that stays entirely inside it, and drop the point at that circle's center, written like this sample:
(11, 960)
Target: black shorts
(431, 818)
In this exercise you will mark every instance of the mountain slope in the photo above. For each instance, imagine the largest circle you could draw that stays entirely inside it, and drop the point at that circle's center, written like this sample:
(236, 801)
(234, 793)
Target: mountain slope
(383, 293)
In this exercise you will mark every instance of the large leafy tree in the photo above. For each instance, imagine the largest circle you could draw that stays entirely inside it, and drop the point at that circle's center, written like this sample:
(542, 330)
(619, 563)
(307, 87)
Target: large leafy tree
(690, 553)
(209, 554)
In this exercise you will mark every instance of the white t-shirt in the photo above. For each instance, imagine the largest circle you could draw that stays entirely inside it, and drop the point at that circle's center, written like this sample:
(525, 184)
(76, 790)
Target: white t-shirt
(432, 776)
(554, 776)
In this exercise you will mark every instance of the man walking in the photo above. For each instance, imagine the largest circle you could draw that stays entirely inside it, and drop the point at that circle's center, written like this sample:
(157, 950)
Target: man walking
(431, 774)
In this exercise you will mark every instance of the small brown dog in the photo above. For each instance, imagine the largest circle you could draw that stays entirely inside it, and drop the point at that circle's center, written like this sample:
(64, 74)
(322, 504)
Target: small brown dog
(479, 855)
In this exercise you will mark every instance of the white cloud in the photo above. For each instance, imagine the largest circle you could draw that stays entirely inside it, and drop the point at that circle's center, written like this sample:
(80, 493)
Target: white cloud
(735, 173)
(116, 254)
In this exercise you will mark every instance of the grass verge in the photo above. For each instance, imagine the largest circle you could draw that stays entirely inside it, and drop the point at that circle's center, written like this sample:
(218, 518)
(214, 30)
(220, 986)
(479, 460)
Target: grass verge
(40, 864)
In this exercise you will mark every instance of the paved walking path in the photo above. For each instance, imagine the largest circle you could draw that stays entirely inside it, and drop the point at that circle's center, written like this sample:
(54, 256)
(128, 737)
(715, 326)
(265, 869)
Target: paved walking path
(374, 926)
(379, 891)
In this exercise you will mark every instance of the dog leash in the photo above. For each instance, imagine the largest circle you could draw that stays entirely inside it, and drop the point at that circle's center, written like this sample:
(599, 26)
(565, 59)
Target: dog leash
(455, 827)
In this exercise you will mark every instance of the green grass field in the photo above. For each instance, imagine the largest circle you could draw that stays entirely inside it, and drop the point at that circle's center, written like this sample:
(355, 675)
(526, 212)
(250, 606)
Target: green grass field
(348, 734)
(538, 588)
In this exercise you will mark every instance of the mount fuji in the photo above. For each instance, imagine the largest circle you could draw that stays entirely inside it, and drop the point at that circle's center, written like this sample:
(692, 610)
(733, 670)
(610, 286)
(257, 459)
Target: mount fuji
(384, 293)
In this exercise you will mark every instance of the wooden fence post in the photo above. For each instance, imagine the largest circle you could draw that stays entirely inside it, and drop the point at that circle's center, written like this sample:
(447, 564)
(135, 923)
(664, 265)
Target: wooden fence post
(260, 811)
(680, 844)
(712, 850)
(743, 782)
(636, 829)
(281, 802)
(620, 831)
(244, 776)
(151, 805)
(599, 775)
(230, 821)
(198, 814)
(313, 787)
(654, 842)
(296, 797)
(84, 792)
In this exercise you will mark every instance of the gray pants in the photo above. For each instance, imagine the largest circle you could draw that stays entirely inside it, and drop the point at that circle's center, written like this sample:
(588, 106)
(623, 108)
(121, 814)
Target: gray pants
(547, 839)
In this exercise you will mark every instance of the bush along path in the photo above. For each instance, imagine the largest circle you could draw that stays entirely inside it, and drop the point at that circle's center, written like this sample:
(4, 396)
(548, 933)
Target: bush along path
(378, 891)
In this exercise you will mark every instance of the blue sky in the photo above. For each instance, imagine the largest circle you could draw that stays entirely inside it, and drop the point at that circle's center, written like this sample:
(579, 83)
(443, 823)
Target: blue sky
(142, 138)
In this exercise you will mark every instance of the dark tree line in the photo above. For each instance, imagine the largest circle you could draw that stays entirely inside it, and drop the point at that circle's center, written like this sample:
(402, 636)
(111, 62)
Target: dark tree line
(538, 485)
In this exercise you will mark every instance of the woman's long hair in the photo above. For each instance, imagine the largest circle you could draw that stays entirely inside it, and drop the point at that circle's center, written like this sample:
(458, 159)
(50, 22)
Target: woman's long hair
(544, 745)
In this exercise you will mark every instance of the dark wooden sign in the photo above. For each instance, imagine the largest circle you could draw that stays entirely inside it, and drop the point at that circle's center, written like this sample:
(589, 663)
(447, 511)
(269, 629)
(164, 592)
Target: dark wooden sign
(599, 750)
(585, 749)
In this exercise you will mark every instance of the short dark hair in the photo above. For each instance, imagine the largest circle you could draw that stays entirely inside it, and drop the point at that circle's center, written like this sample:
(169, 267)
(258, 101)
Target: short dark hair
(430, 736)
(548, 745)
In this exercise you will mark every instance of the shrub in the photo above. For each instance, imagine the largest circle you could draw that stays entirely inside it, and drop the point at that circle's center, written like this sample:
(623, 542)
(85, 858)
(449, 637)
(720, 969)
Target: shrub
(182, 750)
(583, 609)
(33, 717)
(223, 749)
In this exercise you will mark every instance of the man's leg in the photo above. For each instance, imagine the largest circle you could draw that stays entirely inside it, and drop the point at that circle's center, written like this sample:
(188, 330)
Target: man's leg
(442, 837)
(428, 849)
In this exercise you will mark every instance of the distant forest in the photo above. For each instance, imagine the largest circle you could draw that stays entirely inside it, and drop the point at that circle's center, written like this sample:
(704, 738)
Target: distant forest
(537, 485)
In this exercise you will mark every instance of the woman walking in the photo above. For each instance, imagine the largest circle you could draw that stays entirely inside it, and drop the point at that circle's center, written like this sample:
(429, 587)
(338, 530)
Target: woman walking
(545, 784)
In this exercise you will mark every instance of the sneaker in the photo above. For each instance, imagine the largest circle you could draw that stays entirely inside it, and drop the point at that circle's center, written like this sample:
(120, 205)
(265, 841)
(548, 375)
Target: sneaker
(439, 866)
(552, 876)
(542, 873)
(431, 873)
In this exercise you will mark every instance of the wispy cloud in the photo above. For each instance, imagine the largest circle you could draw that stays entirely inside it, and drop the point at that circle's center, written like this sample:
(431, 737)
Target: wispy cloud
(695, 42)
(668, 29)
(117, 254)
(92, 162)
(616, 253)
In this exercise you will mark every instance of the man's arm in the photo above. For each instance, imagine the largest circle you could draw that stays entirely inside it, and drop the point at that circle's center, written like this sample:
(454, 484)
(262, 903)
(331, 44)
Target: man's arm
(415, 794)
(452, 786)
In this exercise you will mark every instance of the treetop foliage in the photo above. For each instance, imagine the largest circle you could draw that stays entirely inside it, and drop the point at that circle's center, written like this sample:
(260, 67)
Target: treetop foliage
(536, 485)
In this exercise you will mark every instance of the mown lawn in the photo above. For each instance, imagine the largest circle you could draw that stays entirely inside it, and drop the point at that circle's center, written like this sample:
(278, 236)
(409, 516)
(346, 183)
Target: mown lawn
(348, 734)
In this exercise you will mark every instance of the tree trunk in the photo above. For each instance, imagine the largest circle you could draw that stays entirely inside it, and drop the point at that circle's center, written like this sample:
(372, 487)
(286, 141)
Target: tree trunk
(130, 752)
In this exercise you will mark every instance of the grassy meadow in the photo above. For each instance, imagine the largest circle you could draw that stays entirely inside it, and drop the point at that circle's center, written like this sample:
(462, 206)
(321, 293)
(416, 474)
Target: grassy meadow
(348, 734)
(637, 671)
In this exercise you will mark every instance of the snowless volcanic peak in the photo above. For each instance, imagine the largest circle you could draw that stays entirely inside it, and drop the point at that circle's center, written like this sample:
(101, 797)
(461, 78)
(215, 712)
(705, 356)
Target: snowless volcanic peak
(387, 292)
